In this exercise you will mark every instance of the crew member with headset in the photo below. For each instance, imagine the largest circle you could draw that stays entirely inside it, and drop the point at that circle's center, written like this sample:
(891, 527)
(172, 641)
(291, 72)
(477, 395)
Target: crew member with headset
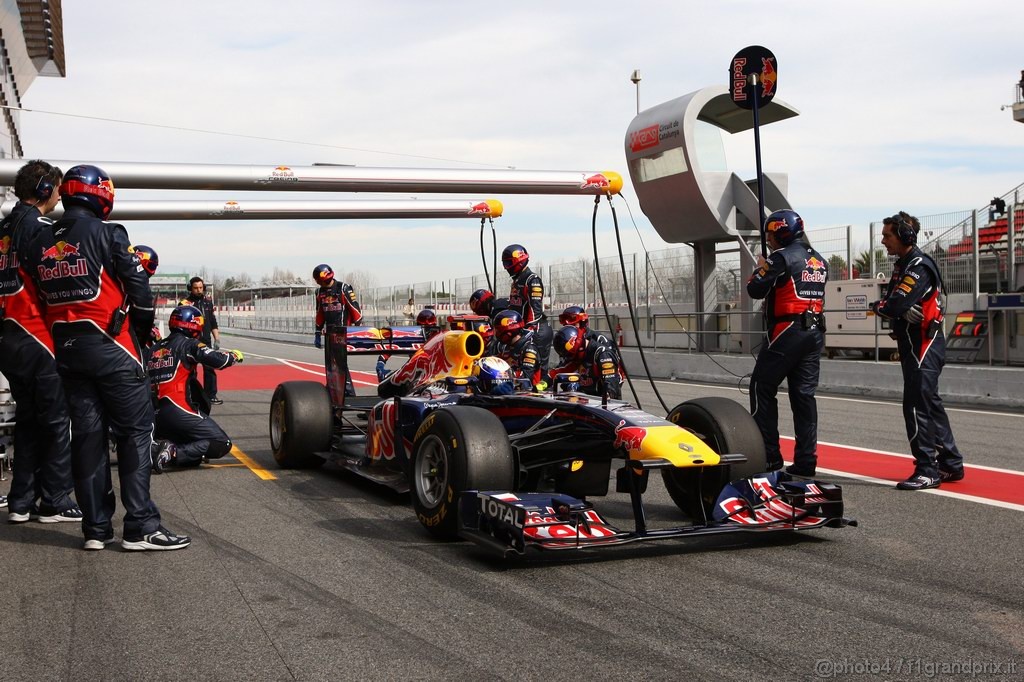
(913, 301)
(210, 335)
(792, 283)
(518, 348)
(336, 306)
(595, 359)
(190, 434)
(42, 467)
(526, 297)
(87, 274)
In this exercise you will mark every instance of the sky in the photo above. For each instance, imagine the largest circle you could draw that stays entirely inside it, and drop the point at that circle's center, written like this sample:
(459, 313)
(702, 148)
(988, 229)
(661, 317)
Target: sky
(899, 109)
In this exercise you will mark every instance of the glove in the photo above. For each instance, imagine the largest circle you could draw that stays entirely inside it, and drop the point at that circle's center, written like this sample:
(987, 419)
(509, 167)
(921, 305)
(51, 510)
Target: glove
(155, 333)
(318, 339)
(541, 386)
(216, 345)
(503, 388)
(381, 370)
(237, 355)
(915, 315)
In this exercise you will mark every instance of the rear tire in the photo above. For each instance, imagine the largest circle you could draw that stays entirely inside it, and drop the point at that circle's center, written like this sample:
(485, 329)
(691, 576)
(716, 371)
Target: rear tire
(457, 448)
(727, 428)
(301, 421)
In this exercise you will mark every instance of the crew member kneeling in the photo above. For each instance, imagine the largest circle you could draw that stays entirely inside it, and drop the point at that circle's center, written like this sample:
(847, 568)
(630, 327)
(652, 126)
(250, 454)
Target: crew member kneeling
(594, 358)
(182, 417)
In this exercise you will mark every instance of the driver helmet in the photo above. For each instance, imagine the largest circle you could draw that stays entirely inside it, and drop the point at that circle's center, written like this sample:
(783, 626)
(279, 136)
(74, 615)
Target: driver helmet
(188, 320)
(493, 375)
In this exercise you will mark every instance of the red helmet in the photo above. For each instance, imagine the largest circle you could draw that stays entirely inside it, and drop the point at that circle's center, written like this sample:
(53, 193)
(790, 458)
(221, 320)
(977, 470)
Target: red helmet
(514, 258)
(507, 325)
(426, 318)
(569, 343)
(188, 320)
(88, 186)
(147, 258)
(480, 301)
(574, 316)
(323, 274)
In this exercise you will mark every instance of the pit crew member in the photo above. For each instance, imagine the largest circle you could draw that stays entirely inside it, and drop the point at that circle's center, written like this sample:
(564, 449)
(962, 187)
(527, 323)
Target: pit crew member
(518, 348)
(597, 363)
(527, 298)
(211, 332)
(336, 305)
(792, 283)
(42, 467)
(913, 301)
(181, 420)
(85, 270)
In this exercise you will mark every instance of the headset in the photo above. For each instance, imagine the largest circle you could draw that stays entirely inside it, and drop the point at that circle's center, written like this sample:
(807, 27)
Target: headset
(904, 230)
(44, 189)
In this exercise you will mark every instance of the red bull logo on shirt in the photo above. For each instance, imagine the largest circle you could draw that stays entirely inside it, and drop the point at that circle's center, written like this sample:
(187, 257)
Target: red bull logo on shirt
(815, 271)
(7, 260)
(59, 254)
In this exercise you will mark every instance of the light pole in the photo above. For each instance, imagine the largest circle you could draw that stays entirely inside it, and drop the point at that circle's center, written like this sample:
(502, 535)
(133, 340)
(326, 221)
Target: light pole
(636, 81)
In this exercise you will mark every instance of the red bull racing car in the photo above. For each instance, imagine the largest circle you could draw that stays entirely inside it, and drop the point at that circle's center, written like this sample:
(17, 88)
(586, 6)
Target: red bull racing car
(518, 472)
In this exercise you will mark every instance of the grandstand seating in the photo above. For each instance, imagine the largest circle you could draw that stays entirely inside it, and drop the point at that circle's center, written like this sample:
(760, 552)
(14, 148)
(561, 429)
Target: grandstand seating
(993, 234)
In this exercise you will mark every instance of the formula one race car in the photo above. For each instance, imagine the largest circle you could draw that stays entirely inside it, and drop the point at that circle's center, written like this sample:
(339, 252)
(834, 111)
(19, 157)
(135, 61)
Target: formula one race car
(516, 471)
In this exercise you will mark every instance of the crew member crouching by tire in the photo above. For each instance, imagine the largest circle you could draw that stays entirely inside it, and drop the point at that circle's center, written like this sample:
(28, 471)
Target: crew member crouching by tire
(183, 425)
(594, 358)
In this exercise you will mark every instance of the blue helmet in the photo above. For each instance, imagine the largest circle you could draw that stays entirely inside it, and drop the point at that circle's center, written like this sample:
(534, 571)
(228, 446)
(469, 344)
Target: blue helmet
(148, 258)
(507, 324)
(493, 375)
(323, 274)
(514, 258)
(569, 342)
(786, 225)
(88, 186)
(188, 320)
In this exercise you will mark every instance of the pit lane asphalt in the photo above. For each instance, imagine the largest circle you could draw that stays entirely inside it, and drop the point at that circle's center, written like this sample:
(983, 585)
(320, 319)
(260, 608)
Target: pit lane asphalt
(319, 575)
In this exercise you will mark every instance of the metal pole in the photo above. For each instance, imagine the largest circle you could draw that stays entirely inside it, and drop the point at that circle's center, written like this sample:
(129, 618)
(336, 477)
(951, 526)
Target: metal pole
(871, 252)
(1011, 244)
(977, 256)
(849, 252)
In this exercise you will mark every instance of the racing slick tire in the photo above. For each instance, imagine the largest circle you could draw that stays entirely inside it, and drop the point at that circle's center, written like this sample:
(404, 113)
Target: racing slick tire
(727, 428)
(457, 448)
(301, 421)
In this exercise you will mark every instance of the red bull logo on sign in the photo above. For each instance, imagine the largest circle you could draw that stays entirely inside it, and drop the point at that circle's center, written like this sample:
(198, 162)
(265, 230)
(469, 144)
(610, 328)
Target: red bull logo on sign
(629, 438)
(768, 77)
(232, 207)
(283, 173)
(481, 208)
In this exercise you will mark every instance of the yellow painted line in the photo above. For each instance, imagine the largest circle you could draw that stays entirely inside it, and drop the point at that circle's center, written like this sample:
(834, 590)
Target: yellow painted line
(251, 463)
(222, 466)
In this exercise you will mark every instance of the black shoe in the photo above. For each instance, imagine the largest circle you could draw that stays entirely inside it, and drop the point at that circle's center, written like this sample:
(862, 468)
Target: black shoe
(799, 472)
(951, 476)
(160, 539)
(773, 466)
(53, 516)
(216, 401)
(163, 453)
(918, 482)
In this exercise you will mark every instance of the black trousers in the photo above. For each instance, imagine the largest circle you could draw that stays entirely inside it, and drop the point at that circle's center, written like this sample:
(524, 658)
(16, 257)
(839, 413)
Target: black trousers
(42, 430)
(209, 381)
(542, 338)
(796, 357)
(931, 439)
(105, 387)
(194, 435)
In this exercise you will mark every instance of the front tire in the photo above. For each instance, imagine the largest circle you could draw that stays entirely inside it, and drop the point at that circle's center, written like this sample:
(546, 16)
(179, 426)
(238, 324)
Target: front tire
(727, 428)
(301, 421)
(457, 448)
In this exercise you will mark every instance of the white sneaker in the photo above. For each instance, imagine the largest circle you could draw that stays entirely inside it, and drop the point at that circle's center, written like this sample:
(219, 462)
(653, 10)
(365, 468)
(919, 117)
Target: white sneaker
(21, 517)
(3, 501)
(92, 544)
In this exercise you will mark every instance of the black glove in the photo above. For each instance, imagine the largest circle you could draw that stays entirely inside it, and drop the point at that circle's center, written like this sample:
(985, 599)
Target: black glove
(915, 315)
